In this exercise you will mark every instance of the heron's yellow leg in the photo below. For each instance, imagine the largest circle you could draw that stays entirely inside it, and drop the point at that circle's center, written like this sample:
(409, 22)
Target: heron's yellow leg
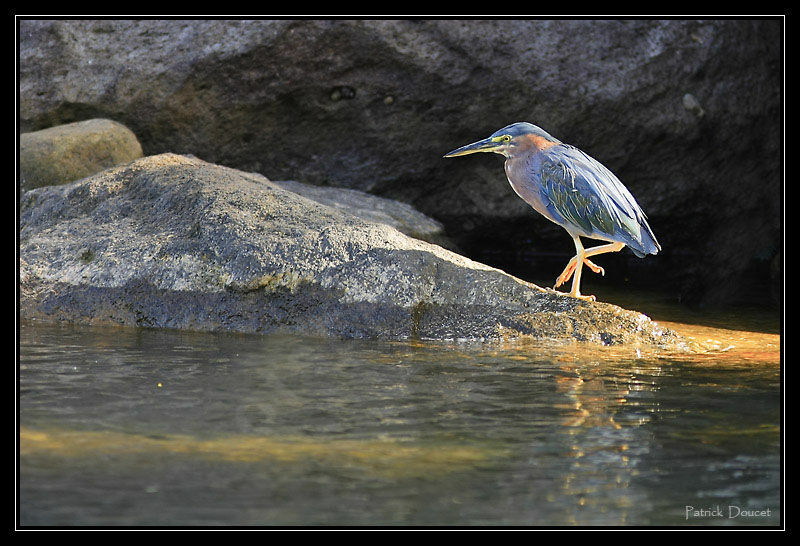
(570, 269)
(574, 270)
(602, 249)
(580, 255)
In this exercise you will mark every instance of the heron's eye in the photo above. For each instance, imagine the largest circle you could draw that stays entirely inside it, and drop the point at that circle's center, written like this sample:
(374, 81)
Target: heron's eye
(506, 138)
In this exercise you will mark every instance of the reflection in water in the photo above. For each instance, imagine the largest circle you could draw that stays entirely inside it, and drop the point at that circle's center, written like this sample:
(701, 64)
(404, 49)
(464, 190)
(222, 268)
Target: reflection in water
(132, 427)
(388, 457)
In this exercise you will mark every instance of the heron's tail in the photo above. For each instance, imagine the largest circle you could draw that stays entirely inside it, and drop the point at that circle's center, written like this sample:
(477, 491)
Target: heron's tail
(648, 243)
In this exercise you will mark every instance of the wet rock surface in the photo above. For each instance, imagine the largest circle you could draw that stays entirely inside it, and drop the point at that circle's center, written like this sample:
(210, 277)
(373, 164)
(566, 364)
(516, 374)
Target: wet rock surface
(171, 241)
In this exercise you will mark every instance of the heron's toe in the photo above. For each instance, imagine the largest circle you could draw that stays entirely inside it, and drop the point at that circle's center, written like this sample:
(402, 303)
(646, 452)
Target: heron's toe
(565, 275)
(594, 267)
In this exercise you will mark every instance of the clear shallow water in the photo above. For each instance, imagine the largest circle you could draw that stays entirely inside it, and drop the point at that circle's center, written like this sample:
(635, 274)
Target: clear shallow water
(129, 427)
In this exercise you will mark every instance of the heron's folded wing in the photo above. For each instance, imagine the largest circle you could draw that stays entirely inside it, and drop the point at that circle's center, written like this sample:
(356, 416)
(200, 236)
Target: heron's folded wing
(591, 198)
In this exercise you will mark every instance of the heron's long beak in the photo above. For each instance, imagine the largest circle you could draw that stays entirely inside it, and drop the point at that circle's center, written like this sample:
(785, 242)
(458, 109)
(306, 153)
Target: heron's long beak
(485, 145)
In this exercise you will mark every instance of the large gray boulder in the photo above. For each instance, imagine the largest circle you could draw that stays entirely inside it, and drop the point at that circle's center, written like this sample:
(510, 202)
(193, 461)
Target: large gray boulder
(171, 241)
(687, 113)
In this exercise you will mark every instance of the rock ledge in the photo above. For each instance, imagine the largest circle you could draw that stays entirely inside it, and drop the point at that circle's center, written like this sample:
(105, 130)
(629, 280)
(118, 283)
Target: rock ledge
(171, 241)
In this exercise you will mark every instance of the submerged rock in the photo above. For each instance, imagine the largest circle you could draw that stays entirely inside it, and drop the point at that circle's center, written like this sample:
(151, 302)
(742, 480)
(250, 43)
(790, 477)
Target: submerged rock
(170, 241)
(69, 152)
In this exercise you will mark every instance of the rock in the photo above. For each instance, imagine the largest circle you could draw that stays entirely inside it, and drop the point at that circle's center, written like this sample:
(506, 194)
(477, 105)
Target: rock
(68, 152)
(373, 105)
(401, 216)
(170, 241)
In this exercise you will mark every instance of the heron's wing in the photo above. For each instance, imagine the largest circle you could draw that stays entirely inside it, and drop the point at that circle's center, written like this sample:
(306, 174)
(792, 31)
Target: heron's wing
(590, 198)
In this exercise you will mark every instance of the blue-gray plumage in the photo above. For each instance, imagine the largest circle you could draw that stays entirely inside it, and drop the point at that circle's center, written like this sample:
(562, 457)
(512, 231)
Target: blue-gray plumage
(572, 189)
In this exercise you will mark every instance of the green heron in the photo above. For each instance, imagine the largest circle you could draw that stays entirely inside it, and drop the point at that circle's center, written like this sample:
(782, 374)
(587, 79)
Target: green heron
(572, 189)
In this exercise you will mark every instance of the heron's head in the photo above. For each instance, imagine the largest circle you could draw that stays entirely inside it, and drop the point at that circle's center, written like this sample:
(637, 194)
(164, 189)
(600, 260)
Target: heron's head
(511, 141)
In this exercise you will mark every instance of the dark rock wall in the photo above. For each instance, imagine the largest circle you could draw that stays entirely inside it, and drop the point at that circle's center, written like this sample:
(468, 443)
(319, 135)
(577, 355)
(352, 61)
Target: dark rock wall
(688, 113)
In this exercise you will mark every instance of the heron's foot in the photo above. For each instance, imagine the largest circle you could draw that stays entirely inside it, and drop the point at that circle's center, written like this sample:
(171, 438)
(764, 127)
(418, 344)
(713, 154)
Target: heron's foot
(566, 274)
(579, 296)
(570, 270)
(596, 268)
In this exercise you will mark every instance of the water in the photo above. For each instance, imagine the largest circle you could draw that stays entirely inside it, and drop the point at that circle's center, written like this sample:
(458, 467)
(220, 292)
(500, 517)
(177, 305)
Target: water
(131, 427)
